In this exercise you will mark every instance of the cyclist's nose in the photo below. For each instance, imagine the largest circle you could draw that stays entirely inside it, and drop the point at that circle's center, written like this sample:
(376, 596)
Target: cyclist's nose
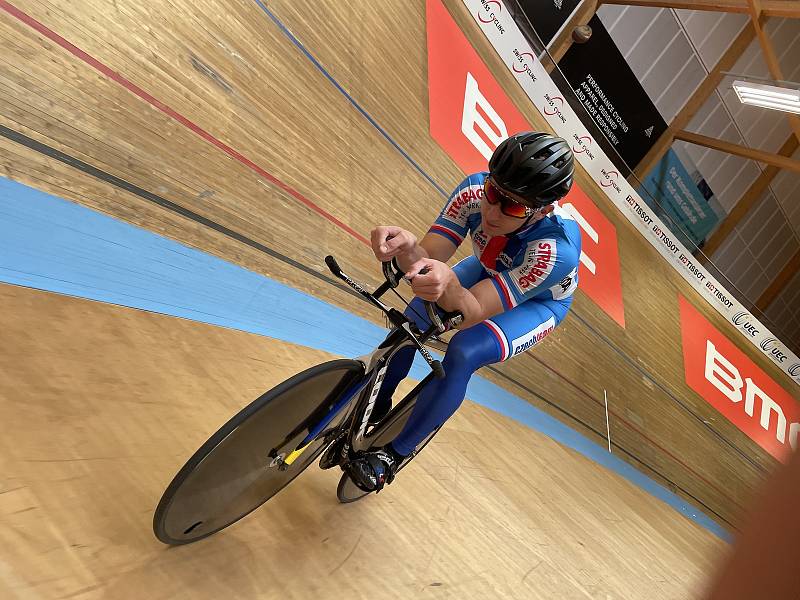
(493, 211)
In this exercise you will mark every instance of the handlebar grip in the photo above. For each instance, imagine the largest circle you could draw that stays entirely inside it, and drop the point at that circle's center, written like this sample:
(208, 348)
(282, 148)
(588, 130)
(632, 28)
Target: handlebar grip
(433, 315)
(333, 265)
(438, 369)
(392, 272)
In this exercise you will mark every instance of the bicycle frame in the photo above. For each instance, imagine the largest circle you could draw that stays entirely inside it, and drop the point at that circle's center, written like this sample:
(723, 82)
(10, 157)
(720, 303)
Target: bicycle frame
(256, 452)
(366, 391)
(375, 365)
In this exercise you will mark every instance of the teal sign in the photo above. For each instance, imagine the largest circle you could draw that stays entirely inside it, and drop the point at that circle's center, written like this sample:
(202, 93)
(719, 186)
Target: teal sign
(682, 200)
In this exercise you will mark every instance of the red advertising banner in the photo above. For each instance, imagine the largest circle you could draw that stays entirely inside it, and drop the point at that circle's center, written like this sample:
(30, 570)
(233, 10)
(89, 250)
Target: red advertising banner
(732, 383)
(599, 272)
(470, 115)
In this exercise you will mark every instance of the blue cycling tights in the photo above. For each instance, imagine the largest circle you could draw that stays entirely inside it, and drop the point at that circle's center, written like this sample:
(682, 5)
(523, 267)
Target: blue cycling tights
(468, 350)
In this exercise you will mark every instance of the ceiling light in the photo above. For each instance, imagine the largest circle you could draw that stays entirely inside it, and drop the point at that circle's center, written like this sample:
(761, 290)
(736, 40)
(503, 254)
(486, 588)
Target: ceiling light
(768, 96)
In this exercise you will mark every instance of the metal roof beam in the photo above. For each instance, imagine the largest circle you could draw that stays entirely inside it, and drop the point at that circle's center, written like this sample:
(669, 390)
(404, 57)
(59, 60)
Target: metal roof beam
(749, 200)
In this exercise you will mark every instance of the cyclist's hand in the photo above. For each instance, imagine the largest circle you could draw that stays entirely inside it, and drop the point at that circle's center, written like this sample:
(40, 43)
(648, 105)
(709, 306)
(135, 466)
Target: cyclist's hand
(389, 241)
(430, 278)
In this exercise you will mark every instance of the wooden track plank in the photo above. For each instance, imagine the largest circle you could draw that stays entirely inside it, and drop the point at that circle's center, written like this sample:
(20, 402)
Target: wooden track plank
(285, 115)
(477, 515)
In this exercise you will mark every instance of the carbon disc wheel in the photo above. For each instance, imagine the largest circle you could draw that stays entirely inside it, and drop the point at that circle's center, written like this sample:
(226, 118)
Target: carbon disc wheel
(239, 467)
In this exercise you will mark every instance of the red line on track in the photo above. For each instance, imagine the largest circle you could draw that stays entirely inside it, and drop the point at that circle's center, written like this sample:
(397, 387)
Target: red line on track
(135, 89)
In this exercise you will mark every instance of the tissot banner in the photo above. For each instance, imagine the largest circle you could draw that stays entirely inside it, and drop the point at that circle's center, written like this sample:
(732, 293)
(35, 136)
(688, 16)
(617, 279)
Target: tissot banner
(612, 95)
(726, 378)
(470, 115)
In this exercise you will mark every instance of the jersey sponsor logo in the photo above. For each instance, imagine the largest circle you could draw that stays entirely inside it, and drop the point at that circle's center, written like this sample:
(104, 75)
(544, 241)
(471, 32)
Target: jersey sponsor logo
(480, 240)
(506, 260)
(461, 205)
(540, 262)
(530, 339)
(565, 287)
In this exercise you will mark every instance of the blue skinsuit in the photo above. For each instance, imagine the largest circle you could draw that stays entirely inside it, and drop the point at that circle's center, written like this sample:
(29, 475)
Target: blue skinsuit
(535, 273)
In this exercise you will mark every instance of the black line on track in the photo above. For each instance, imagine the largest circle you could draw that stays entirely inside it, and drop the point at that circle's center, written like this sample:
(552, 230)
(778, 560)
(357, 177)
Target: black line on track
(189, 214)
(669, 393)
(164, 203)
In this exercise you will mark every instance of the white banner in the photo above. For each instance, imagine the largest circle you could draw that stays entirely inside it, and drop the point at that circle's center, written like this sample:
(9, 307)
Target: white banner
(499, 27)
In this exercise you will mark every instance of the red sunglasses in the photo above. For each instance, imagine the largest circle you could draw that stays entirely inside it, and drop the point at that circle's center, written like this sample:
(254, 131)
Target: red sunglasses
(508, 206)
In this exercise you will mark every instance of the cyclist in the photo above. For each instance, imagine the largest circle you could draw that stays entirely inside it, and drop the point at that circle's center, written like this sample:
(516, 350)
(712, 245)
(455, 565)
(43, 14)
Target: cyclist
(513, 291)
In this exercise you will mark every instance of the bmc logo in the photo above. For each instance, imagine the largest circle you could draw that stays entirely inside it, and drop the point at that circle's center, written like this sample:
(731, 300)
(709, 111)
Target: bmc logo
(726, 378)
(470, 115)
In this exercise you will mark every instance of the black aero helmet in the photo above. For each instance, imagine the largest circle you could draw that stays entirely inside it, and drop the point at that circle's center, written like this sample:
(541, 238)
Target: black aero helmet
(536, 167)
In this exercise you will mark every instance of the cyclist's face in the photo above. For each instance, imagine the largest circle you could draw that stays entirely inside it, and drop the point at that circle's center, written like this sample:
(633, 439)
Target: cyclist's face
(496, 222)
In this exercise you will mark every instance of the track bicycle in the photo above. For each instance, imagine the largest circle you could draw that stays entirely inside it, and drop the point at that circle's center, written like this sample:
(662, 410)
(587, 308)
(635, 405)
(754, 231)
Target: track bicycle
(271, 441)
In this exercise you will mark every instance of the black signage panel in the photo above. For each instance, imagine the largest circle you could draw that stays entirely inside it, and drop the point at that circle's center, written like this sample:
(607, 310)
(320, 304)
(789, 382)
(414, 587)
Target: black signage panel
(613, 97)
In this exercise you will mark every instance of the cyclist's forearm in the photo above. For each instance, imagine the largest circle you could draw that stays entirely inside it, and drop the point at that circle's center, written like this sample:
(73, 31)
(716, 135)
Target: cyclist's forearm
(411, 256)
(457, 297)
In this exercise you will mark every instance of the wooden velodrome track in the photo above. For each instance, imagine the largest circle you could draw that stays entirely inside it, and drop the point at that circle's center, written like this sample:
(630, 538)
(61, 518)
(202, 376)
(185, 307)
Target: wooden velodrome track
(257, 130)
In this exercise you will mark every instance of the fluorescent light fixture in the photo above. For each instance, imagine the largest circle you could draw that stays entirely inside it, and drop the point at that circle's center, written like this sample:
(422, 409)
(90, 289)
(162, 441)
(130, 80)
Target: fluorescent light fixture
(768, 96)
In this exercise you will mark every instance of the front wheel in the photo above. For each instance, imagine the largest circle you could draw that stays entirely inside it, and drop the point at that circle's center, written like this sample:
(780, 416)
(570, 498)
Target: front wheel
(241, 466)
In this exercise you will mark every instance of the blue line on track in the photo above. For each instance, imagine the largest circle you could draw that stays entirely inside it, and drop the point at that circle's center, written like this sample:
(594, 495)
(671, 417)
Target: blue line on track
(352, 101)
